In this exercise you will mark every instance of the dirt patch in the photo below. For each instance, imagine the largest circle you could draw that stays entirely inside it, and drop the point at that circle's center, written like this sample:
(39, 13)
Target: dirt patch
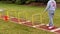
(36, 4)
(40, 4)
(58, 5)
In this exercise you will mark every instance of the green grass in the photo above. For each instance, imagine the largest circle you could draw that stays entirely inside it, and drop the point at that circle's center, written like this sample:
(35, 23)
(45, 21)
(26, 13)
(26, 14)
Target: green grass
(13, 28)
(26, 12)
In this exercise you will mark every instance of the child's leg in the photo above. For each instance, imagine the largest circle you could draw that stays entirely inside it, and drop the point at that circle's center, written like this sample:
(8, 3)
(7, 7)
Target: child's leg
(51, 19)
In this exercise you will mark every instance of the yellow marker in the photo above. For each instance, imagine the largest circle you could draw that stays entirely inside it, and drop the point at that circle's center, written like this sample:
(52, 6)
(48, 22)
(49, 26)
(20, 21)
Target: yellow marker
(18, 18)
(32, 19)
(7, 13)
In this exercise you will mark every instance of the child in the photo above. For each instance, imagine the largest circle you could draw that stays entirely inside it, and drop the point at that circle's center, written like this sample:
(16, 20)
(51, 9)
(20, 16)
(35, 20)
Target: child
(51, 6)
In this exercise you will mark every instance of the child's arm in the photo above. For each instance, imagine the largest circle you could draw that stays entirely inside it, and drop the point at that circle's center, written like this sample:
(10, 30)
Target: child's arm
(47, 7)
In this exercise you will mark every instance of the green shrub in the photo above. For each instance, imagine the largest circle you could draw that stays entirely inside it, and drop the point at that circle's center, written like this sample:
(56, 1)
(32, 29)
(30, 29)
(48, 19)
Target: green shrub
(28, 1)
(24, 1)
(8, 1)
(21, 1)
(18, 2)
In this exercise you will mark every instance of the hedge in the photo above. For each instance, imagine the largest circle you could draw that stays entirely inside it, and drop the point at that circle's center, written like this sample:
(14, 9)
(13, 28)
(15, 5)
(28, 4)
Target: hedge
(24, 1)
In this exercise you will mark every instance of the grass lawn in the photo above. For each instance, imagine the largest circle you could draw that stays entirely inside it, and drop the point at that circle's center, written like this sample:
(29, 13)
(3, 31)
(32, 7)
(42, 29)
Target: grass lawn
(25, 12)
(13, 28)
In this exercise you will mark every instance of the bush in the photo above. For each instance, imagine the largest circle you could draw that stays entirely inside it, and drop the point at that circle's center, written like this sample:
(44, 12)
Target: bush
(28, 1)
(8, 1)
(18, 2)
(21, 1)
(24, 1)
(13, 1)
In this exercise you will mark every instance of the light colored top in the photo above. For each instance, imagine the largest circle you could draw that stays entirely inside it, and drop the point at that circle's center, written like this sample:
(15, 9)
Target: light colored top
(51, 5)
